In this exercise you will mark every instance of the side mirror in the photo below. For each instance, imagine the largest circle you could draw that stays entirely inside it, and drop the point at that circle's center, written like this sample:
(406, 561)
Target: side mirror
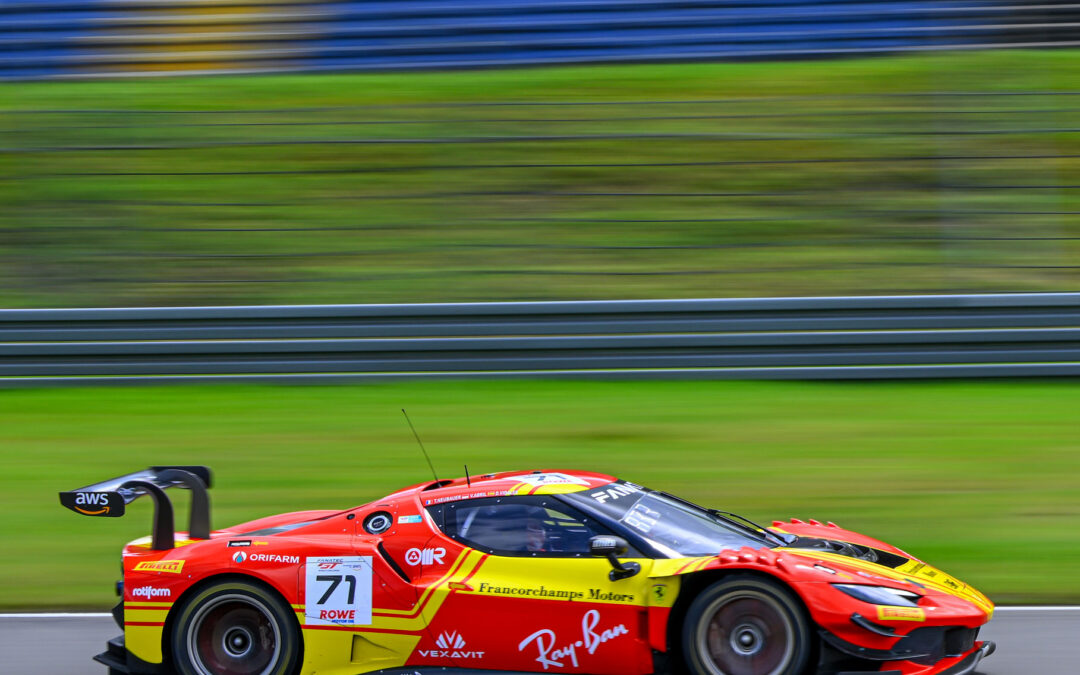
(610, 547)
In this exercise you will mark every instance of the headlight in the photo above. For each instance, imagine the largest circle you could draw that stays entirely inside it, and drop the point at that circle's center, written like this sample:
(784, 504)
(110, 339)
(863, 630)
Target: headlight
(880, 595)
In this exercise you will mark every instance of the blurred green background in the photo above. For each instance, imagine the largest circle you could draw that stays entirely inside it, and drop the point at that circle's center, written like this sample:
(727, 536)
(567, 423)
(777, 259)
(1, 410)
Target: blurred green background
(929, 173)
(915, 174)
(979, 478)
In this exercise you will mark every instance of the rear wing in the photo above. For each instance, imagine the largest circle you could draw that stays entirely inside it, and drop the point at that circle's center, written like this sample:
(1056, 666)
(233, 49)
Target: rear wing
(110, 498)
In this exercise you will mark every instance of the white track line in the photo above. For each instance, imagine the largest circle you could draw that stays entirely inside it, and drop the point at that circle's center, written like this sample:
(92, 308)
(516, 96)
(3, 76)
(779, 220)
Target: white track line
(1036, 608)
(56, 615)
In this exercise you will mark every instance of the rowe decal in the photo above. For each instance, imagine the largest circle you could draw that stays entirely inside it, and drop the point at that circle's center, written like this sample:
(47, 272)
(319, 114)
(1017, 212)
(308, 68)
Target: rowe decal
(149, 592)
(550, 653)
(170, 566)
(451, 644)
(427, 556)
(337, 591)
(241, 556)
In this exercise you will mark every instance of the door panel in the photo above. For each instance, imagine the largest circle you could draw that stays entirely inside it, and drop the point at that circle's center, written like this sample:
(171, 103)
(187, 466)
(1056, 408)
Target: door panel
(541, 614)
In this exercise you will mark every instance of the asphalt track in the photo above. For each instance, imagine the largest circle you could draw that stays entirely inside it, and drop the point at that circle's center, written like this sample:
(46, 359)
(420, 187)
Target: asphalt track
(1035, 641)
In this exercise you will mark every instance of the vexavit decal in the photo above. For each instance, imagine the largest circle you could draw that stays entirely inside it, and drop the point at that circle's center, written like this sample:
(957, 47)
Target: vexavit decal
(451, 646)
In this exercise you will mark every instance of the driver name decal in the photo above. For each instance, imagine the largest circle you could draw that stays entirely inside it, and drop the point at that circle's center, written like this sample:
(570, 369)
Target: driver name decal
(553, 653)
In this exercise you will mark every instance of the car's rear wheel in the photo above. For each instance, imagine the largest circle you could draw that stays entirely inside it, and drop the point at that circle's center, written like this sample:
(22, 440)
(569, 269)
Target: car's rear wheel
(235, 627)
(746, 625)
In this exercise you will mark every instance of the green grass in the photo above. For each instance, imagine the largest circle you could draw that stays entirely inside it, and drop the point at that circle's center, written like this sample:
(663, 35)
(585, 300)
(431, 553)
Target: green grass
(151, 233)
(982, 479)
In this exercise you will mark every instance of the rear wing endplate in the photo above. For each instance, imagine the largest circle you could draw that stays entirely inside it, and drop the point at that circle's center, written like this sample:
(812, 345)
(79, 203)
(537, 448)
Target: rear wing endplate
(110, 498)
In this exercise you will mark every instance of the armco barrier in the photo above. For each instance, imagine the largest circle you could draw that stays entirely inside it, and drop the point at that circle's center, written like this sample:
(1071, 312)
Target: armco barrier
(78, 38)
(1010, 335)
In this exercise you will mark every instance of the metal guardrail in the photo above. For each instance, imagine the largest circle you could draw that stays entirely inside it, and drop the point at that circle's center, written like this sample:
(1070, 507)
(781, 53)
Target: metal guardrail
(1011, 335)
(116, 38)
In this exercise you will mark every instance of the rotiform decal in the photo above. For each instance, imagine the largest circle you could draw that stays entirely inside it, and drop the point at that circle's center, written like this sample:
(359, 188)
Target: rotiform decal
(149, 592)
(553, 653)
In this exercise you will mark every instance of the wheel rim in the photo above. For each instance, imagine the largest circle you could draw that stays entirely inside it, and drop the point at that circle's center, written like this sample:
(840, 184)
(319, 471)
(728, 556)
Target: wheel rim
(234, 635)
(746, 633)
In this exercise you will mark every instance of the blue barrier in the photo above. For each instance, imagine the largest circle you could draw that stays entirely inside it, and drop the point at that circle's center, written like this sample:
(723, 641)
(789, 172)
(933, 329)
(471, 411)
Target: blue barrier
(74, 38)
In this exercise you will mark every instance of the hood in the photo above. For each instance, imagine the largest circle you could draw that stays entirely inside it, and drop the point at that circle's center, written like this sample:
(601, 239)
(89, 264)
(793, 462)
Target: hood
(870, 561)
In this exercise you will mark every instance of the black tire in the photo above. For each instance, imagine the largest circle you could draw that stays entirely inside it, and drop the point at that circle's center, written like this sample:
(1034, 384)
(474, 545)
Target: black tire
(746, 625)
(235, 627)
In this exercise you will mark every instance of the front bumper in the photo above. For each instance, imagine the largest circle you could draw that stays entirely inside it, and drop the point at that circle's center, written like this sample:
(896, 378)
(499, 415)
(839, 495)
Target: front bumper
(965, 664)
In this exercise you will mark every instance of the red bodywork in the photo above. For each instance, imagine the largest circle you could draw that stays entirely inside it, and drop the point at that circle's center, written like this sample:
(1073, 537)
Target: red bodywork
(435, 602)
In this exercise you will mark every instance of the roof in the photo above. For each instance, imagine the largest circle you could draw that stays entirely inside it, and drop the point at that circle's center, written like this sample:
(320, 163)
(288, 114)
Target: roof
(544, 482)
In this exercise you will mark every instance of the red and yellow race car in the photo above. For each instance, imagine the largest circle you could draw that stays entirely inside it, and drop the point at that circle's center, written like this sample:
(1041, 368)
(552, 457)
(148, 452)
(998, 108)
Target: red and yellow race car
(525, 571)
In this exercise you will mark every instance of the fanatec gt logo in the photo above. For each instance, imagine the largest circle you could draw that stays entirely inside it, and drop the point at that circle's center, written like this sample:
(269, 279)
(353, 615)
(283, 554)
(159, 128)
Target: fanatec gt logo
(451, 644)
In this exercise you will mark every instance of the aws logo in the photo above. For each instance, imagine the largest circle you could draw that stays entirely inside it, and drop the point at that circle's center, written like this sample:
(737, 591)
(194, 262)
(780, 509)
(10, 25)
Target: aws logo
(108, 504)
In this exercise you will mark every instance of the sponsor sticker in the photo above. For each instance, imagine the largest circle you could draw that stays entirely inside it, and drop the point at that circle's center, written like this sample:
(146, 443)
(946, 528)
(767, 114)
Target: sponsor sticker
(552, 651)
(608, 596)
(530, 592)
(170, 566)
(240, 557)
(150, 593)
(538, 479)
(451, 646)
(614, 492)
(427, 556)
(408, 520)
(888, 613)
(107, 504)
(337, 591)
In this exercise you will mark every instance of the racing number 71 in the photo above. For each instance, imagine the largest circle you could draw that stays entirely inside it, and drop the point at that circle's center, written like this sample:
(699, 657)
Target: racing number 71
(335, 581)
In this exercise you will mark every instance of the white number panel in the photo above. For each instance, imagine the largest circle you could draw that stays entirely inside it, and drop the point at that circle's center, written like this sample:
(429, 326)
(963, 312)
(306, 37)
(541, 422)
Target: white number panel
(338, 591)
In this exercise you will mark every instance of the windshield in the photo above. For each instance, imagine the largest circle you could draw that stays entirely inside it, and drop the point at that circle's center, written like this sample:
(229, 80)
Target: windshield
(674, 527)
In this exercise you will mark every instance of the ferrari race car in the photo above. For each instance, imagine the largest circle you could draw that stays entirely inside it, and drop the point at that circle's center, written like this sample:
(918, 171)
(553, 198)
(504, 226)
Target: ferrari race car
(523, 572)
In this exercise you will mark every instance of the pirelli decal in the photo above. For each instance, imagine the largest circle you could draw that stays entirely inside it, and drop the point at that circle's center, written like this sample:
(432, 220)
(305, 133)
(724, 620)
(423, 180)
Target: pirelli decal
(169, 566)
(901, 614)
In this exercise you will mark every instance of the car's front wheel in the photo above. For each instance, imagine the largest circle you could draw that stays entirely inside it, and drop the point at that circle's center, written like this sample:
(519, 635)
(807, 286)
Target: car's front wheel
(235, 627)
(746, 625)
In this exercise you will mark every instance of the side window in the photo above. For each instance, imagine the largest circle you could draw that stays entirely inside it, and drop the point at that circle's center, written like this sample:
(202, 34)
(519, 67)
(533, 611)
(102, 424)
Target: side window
(521, 526)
